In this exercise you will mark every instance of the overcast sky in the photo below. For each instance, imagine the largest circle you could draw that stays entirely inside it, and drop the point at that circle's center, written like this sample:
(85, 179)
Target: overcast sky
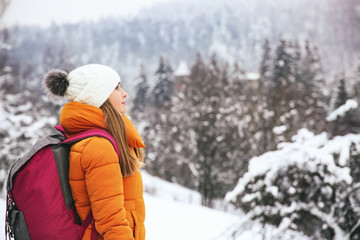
(43, 12)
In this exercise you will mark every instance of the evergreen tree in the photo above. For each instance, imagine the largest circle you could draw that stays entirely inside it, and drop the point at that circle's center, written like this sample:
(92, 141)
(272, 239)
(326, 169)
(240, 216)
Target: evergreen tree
(282, 77)
(265, 65)
(161, 152)
(312, 75)
(311, 103)
(356, 88)
(264, 124)
(281, 93)
(163, 90)
(141, 91)
(342, 94)
(349, 120)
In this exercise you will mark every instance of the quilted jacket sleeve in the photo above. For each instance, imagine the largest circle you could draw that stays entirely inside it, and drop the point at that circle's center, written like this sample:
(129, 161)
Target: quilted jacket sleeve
(104, 183)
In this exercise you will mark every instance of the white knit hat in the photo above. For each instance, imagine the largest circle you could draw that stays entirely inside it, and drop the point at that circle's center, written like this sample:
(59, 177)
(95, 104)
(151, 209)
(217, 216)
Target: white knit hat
(91, 84)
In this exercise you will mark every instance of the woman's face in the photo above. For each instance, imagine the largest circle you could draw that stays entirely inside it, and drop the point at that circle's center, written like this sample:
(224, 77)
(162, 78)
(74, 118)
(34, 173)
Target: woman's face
(117, 99)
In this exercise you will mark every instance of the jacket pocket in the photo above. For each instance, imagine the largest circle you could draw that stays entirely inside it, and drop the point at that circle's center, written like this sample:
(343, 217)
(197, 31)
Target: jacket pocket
(136, 225)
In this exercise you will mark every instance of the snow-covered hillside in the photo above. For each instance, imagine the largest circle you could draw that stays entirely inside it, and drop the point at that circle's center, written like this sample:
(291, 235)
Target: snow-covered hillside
(170, 191)
(175, 212)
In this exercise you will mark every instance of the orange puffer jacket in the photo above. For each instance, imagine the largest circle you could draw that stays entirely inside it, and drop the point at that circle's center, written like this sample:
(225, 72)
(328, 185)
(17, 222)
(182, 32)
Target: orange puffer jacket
(96, 181)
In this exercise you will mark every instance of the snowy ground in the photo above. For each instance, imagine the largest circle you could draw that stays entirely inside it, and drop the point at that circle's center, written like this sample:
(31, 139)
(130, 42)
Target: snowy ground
(174, 212)
(167, 220)
(165, 190)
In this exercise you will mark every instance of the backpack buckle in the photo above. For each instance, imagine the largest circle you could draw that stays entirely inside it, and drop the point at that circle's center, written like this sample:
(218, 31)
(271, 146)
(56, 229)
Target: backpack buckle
(10, 232)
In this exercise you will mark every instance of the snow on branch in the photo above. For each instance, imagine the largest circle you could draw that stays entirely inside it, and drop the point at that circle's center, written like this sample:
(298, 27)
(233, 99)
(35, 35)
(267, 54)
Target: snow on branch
(342, 110)
(279, 129)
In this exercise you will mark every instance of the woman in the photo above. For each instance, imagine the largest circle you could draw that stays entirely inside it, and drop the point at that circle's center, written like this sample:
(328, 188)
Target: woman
(108, 185)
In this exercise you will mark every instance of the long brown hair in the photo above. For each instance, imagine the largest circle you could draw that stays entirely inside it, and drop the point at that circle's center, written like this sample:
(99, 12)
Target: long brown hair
(116, 127)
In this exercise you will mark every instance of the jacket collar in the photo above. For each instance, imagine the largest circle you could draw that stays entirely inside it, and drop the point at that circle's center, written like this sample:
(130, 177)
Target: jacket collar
(76, 117)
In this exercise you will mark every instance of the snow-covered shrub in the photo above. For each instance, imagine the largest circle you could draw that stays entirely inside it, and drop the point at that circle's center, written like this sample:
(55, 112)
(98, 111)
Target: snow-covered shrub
(308, 185)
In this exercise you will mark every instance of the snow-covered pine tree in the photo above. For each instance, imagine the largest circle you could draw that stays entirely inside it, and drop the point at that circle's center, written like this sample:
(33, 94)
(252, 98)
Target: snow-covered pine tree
(163, 90)
(282, 93)
(342, 95)
(311, 85)
(282, 77)
(265, 65)
(158, 127)
(356, 84)
(346, 117)
(264, 136)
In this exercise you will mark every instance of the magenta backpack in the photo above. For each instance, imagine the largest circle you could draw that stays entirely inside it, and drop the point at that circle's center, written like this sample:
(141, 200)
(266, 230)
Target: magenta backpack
(39, 200)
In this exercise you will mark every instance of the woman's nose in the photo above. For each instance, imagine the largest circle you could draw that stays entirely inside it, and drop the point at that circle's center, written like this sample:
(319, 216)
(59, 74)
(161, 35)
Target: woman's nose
(124, 94)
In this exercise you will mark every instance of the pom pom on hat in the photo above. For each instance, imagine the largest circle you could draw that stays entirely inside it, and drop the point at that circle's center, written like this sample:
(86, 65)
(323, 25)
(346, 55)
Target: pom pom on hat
(56, 82)
(90, 84)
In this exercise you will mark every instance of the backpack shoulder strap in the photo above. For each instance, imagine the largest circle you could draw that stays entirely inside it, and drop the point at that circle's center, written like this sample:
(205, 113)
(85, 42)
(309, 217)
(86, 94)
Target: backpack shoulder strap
(96, 132)
(83, 135)
(61, 156)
